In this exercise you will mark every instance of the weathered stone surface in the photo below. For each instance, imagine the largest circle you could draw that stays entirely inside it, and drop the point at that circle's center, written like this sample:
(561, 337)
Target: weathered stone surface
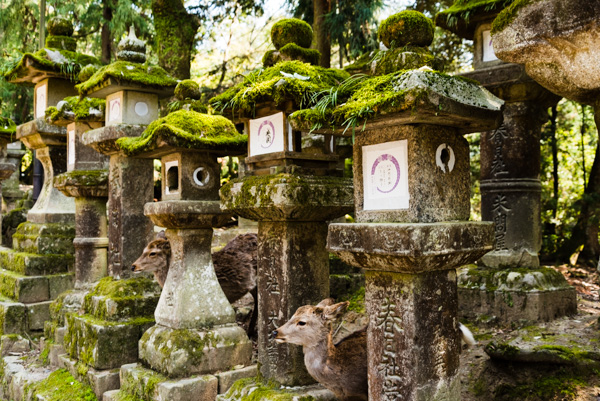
(59, 283)
(226, 379)
(103, 140)
(24, 288)
(82, 157)
(187, 214)
(185, 352)
(244, 388)
(558, 43)
(45, 238)
(101, 344)
(508, 295)
(413, 335)
(410, 248)
(13, 317)
(83, 183)
(102, 381)
(288, 197)
(31, 264)
(37, 314)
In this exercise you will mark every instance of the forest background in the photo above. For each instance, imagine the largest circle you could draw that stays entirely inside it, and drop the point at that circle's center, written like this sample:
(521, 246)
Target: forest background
(217, 42)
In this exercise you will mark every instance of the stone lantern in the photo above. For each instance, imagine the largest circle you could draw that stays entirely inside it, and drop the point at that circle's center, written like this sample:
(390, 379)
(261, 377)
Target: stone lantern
(38, 267)
(192, 304)
(292, 194)
(7, 134)
(132, 91)
(411, 194)
(86, 180)
(510, 184)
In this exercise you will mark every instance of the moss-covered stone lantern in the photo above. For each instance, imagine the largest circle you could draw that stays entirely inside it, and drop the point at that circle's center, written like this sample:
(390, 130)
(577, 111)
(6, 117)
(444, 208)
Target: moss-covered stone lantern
(38, 267)
(292, 39)
(292, 194)
(132, 91)
(510, 183)
(192, 305)
(86, 180)
(411, 195)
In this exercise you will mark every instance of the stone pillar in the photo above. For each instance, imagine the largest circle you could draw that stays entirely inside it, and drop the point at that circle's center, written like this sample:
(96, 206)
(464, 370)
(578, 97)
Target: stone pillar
(130, 186)
(10, 187)
(293, 263)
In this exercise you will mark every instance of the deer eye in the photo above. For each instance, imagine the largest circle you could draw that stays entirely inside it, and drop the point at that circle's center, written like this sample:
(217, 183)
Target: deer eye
(301, 323)
(152, 253)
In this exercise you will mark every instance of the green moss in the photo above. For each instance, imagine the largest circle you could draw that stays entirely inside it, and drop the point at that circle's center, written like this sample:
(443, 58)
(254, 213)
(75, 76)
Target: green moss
(60, 386)
(292, 51)
(362, 64)
(59, 26)
(502, 348)
(514, 279)
(461, 12)
(405, 58)
(562, 386)
(67, 65)
(357, 301)
(186, 129)
(254, 389)
(187, 89)
(572, 354)
(507, 15)
(110, 287)
(44, 355)
(291, 30)
(271, 85)
(61, 42)
(74, 108)
(270, 58)
(406, 28)
(127, 72)
(199, 106)
(87, 72)
(86, 178)
(8, 128)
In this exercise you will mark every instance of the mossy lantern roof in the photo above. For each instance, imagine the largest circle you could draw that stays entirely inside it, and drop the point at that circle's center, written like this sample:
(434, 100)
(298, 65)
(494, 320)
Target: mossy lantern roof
(129, 72)
(464, 15)
(419, 96)
(186, 130)
(57, 60)
(284, 85)
(73, 109)
(8, 129)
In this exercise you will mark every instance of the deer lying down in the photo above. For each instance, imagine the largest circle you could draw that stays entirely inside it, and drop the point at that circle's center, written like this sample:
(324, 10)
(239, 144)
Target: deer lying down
(235, 266)
(341, 367)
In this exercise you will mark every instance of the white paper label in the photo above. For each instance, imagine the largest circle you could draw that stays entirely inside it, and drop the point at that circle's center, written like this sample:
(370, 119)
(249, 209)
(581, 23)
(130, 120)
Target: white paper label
(114, 113)
(40, 101)
(266, 135)
(488, 49)
(71, 148)
(385, 176)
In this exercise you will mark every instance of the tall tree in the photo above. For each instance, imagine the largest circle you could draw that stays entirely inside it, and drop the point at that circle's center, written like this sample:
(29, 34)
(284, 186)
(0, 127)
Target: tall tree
(321, 9)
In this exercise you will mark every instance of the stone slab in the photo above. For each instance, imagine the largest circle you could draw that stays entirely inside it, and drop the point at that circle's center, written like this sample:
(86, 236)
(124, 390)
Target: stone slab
(110, 395)
(24, 289)
(59, 283)
(47, 238)
(37, 314)
(314, 392)
(13, 317)
(113, 309)
(226, 379)
(32, 264)
(100, 381)
(201, 388)
(56, 351)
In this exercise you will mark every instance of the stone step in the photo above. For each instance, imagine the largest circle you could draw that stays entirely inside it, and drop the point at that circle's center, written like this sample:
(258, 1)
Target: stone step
(47, 238)
(266, 391)
(31, 289)
(148, 385)
(13, 317)
(32, 264)
(104, 344)
(101, 381)
(120, 308)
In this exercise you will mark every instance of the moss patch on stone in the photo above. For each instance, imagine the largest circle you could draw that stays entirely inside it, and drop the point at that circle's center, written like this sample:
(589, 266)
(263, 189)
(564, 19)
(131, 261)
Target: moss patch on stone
(60, 386)
(186, 129)
(59, 26)
(187, 89)
(406, 28)
(255, 389)
(8, 128)
(128, 72)
(292, 51)
(87, 178)
(291, 30)
(462, 11)
(562, 386)
(405, 58)
(506, 16)
(199, 106)
(61, 42)
(65, 63)
(278, 84)
(74, 108)
(513, 279)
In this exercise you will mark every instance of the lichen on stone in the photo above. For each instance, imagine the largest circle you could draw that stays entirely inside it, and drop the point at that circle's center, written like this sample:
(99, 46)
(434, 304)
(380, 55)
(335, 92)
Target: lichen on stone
(128, 72)
(291, 30)
(406, 28)
(186, 129)
(82, 178)
(74, 108)
(506, 16)
(286, 81)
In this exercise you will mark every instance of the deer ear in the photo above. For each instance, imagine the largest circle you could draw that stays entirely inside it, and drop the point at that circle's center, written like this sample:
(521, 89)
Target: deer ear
(333, 311)
(325, 302)
(161, 235)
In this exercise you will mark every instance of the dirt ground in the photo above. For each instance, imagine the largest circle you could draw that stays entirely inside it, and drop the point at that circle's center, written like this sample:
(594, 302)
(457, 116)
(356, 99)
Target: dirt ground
(575, 379)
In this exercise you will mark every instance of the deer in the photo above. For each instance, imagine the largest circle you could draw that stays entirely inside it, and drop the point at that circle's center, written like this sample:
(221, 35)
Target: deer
(235, 266)
(339, 366)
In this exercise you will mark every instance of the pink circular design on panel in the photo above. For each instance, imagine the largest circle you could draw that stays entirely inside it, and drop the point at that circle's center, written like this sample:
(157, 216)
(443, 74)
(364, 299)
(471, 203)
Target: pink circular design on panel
(269, 134)
(392, 159)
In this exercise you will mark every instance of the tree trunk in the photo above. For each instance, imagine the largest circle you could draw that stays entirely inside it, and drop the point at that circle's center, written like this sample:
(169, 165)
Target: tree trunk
(322, 36)
(175, 36)
(586, 230)
(106, 34)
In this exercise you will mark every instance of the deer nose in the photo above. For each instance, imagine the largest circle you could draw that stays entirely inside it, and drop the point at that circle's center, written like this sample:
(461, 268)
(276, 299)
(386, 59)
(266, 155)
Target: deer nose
(274, 334)
(132, 268)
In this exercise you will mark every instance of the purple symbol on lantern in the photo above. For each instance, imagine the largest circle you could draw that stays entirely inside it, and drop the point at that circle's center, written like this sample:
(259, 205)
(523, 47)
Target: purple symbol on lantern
(385, 176)
(269, 137)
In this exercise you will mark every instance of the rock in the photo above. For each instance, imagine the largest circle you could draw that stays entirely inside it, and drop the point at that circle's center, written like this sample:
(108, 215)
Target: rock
(406, 28)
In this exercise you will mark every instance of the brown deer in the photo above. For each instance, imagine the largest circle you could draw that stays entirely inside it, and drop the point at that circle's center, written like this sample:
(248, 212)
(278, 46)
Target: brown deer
(235, 266)
(341, 367)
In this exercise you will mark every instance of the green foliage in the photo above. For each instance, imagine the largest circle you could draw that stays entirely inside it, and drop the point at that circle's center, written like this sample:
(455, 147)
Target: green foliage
(291, 30)
(124, 71)
(406, 28)
(462, 11)
(186, 129)
(271, 84)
